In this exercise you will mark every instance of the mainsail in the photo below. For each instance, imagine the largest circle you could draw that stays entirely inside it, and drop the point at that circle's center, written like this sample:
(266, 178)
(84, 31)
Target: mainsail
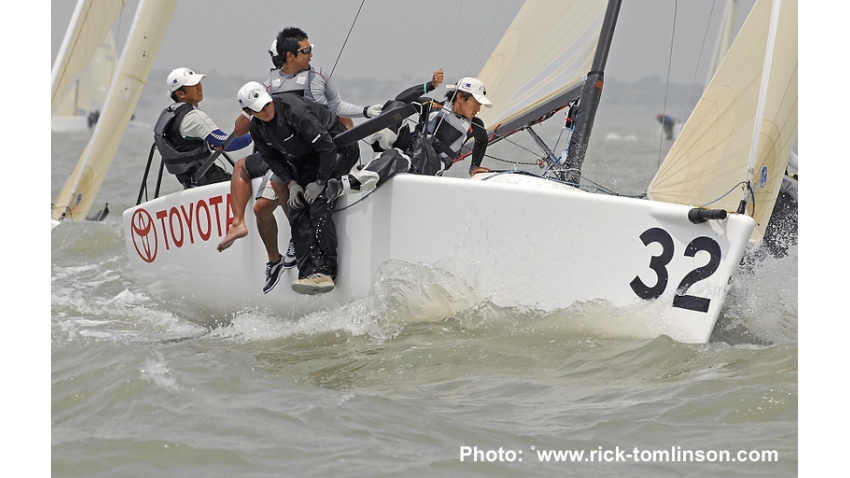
(146, 34)
(737, 142)
(540, 63)
(90, 24)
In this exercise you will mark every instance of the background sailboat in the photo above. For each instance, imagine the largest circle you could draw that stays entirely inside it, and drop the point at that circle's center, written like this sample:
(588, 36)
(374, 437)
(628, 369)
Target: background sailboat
(82, 103)
(736, 144)
(85, 62)
(145, 37)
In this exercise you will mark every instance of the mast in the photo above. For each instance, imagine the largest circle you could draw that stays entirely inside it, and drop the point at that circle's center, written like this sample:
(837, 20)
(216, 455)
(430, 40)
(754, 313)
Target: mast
(590, 95)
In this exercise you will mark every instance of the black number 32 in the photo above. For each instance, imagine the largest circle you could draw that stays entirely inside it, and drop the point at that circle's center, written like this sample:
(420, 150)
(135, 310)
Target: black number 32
(659, 265)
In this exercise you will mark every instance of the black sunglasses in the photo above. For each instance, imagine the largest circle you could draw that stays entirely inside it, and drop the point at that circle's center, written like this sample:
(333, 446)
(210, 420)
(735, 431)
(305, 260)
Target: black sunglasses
(307, 50)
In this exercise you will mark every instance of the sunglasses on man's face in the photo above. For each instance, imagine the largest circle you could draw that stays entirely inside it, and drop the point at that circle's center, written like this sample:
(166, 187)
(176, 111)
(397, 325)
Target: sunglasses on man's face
(306, 50)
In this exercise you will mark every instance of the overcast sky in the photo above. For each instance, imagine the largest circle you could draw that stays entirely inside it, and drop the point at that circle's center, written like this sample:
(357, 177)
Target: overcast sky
(401, 39)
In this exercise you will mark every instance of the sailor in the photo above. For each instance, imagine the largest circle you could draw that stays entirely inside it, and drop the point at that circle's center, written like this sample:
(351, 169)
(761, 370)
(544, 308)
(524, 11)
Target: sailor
(291, 53)
(294, 135)
(183, 133)
(667, 122)
(436, 141)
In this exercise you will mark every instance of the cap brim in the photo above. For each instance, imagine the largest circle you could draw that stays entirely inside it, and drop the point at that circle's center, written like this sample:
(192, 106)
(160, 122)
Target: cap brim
(483, 100)
(257, 105)
(194, 79)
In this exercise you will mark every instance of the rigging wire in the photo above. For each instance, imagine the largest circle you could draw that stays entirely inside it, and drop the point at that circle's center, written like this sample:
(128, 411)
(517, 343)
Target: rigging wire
(699, 60)
(346, 39)
(667, 84)
(452, 34)
(480, 42)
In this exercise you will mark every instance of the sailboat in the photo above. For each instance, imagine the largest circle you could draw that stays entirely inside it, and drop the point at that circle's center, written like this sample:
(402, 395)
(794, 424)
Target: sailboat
(85, 61)
(80, 107)
(149, 26)
(532, 241)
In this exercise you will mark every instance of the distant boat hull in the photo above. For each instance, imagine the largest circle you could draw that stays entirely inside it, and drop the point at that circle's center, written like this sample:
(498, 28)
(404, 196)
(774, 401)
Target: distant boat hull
(69, 124)
(76, 124)
(520, 240)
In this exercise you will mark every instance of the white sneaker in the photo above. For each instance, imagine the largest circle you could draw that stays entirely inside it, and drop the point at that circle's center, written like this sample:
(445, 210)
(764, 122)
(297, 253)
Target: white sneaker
(314, 284)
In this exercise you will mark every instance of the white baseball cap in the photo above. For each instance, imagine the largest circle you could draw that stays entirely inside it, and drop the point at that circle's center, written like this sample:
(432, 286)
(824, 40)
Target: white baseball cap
(253, 95)
(473, 86)
(181, 77)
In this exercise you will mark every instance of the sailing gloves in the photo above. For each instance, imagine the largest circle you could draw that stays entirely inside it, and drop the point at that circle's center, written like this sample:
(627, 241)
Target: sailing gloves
(296, 196)
(313, 191)
(372, 111)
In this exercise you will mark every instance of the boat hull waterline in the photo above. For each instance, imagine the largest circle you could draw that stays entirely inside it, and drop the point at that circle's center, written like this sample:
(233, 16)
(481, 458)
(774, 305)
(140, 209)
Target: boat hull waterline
(518, 240)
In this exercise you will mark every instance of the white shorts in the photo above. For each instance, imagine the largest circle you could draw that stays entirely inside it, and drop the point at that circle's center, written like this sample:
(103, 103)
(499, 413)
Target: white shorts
(265, 190)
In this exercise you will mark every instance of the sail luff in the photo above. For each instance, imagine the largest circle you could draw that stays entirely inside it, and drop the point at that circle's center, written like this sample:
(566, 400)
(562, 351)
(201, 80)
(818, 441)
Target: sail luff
(146, 35)
(765, 81)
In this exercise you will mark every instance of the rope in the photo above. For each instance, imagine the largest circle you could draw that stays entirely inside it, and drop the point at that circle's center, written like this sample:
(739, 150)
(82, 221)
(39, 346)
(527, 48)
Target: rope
(346, 39)
(357, 201)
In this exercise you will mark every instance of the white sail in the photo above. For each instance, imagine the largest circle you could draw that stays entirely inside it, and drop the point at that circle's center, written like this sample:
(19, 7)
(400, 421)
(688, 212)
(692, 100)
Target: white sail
(149, 27)
(89, 92)
(754, 92)
(547, 50)
(90, 24)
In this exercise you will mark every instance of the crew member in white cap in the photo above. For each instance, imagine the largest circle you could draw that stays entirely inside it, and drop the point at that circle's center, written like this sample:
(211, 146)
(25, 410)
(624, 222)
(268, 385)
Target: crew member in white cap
(291, 53)
(295, 137)
(183, 133)
(436, 141)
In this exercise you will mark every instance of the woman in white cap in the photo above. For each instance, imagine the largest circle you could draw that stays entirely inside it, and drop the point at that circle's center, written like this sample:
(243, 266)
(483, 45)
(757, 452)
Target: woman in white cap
(183, 133)
(436, 141)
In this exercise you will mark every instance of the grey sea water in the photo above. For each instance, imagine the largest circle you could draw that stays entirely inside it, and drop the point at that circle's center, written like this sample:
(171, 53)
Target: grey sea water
(425, 377)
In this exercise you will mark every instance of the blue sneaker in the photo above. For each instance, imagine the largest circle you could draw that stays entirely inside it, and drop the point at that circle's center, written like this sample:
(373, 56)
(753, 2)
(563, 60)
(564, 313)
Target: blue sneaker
(289, 258)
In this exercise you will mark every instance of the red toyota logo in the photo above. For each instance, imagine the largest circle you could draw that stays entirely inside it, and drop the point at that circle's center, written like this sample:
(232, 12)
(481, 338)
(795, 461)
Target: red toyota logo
(142, 230)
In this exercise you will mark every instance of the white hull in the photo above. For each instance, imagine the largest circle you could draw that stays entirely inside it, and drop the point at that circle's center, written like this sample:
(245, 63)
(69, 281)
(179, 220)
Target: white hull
(519, 240)
(76, 124)
(69, 124)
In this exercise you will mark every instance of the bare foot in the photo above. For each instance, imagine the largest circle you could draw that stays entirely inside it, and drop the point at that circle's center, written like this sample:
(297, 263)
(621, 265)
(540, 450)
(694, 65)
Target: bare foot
(235, 232)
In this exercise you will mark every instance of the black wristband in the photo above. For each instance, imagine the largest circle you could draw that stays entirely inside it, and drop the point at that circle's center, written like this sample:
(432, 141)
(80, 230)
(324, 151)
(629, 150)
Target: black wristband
(365, 108)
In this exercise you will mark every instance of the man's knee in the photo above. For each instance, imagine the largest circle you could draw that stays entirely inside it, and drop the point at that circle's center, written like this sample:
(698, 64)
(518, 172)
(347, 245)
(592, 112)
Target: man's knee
(265, 207)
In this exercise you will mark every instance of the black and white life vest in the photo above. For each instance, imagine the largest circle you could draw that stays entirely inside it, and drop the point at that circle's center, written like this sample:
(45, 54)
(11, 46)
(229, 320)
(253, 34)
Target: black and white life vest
(451, 129)
(179, 154)
(433, 153)
(278, 83)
